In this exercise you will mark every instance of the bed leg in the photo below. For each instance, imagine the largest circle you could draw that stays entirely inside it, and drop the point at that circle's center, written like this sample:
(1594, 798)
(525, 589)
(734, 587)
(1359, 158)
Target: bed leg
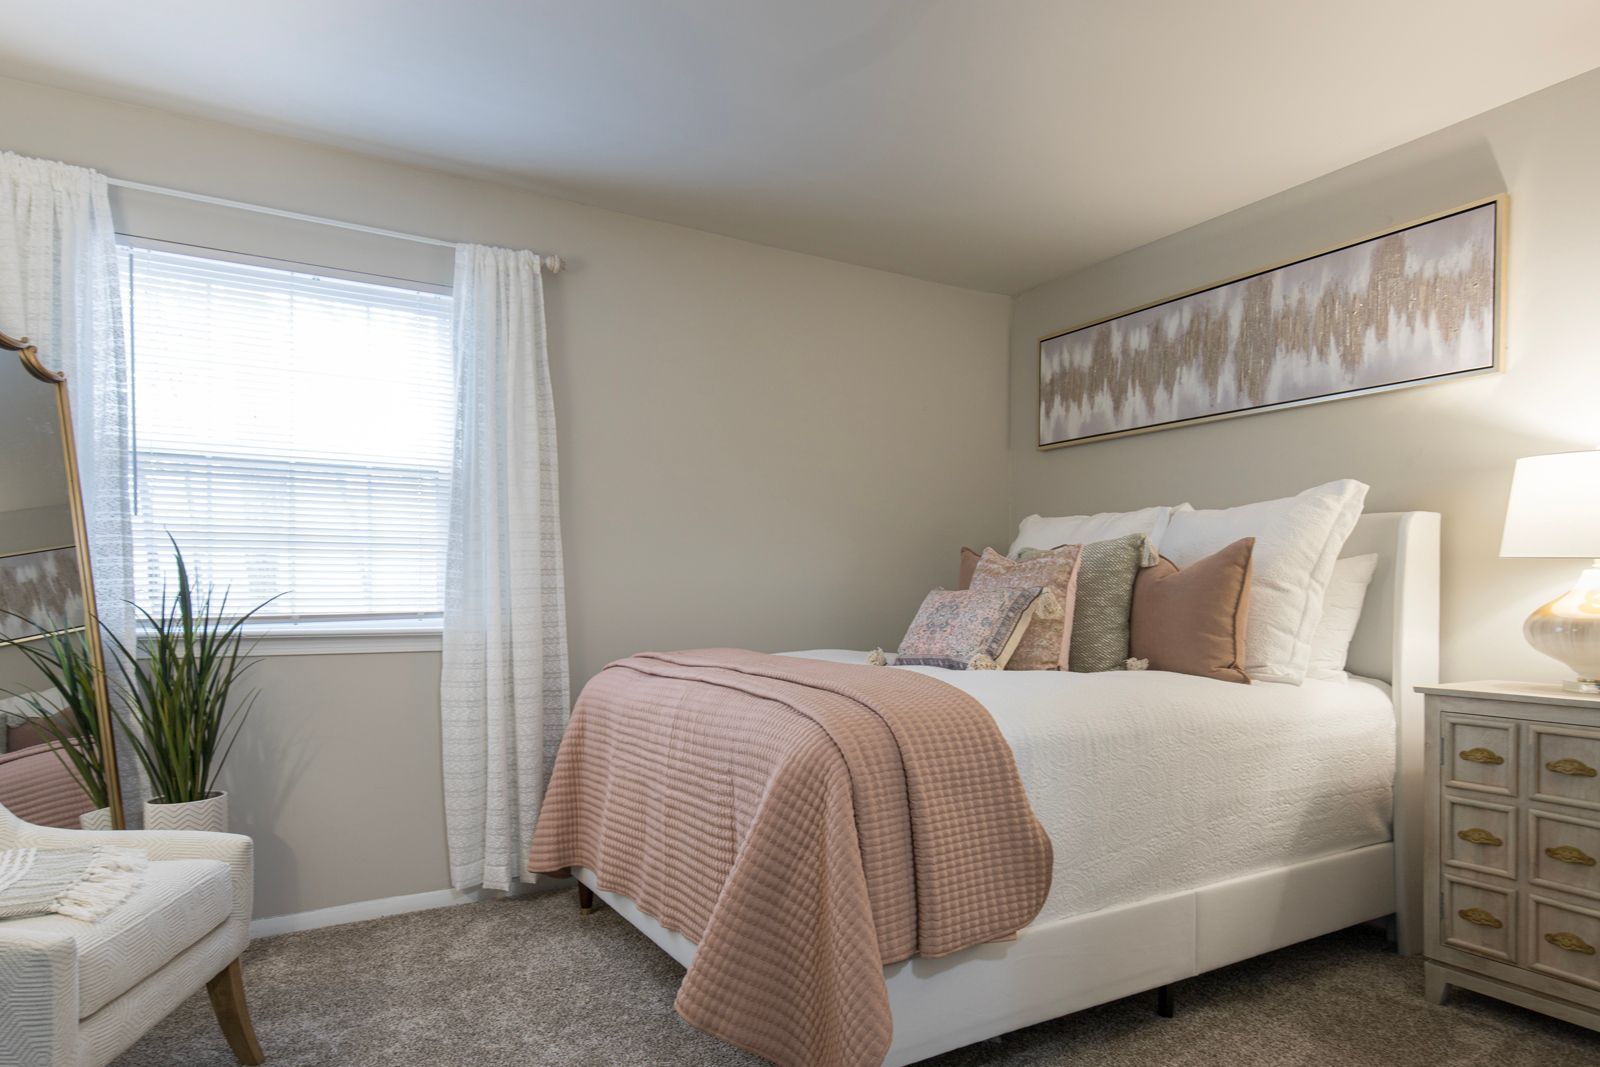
(585, 899)
(1165, 1005)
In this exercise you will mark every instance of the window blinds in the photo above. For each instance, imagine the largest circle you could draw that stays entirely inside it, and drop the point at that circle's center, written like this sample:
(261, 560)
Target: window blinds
(293, 432)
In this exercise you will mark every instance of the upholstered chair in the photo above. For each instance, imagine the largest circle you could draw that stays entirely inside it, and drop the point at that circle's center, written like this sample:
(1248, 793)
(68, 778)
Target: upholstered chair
(76, 994)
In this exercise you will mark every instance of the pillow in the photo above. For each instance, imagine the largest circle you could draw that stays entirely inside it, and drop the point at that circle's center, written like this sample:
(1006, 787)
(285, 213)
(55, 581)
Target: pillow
(1038, 532)
(969, 563)
(1046, 644)
(1103, 604)
(37, 786)
(1341, 611)
(1298, 540)
(975, 629)
(18, 715)
(1194, 620)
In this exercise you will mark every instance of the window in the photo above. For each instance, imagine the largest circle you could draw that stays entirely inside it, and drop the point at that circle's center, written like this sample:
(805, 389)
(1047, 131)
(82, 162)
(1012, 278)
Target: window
(293, 432)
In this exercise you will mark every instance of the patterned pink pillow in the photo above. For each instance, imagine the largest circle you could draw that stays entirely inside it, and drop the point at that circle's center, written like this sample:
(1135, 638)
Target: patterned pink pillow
(969, 630)
(1044, 646)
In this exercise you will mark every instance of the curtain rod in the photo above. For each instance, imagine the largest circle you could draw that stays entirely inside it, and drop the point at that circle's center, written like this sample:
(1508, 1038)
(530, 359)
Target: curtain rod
(551, 263)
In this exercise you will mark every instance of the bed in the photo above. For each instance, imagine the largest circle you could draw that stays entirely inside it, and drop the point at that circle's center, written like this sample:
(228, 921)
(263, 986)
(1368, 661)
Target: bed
(1194, 823)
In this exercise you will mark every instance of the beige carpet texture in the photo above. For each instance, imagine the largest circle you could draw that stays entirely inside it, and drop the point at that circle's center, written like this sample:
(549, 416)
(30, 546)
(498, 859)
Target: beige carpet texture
(529, 981)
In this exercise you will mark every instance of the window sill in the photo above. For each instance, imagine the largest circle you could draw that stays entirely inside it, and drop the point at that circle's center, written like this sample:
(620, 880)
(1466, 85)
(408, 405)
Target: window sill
(343, 638)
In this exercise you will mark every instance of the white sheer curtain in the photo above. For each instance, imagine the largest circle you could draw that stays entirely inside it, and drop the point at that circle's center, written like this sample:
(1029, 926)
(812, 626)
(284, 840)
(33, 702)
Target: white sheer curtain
(59, 288)
(504, 689)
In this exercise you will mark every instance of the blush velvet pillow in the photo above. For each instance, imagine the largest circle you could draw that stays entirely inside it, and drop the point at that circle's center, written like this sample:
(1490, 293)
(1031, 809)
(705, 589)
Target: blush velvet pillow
(1194, 620)
(977, 629)
(1046, 645)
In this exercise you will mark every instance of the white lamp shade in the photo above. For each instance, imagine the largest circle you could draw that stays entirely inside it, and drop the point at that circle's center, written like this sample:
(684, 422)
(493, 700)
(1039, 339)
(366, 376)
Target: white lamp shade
(1554, 509)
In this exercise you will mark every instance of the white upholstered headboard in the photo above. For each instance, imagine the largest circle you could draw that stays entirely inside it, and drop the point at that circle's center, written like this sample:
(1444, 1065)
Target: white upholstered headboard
(1397, 641)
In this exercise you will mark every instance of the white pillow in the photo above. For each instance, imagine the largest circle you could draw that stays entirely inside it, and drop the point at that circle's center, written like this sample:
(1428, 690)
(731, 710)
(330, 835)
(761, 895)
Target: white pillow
(1047, 533)
(1341, 611)
(1298, 540)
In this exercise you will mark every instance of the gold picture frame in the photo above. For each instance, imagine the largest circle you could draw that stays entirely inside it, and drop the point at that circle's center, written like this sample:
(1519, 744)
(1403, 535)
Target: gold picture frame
(1051, 391)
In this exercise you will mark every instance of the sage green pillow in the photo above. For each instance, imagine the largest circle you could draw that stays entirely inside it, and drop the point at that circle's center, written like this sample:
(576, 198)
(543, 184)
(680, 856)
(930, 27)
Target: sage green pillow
(1104, 604)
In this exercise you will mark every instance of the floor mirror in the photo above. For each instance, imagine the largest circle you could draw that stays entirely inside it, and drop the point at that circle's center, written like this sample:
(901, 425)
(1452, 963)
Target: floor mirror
(55, 717)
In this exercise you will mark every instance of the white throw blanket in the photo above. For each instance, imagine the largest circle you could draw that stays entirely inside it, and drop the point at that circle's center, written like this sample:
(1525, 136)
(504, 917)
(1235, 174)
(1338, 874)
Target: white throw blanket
(80, 883)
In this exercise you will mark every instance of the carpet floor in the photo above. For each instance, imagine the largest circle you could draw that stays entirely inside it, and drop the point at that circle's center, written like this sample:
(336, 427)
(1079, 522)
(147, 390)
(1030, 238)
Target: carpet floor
(526, 981)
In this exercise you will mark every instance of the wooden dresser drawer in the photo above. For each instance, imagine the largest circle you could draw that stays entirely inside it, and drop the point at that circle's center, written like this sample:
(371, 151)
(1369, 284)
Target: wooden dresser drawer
(1563, 941)
(1511, 866)
(1480, 918)
(1481, 754)
(1564, 852)
(1480, 836)
(1565, 765)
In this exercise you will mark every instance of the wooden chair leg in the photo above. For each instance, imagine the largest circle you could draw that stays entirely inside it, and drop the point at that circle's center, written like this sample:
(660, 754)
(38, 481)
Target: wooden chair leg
(585, 899)
(233, 1015)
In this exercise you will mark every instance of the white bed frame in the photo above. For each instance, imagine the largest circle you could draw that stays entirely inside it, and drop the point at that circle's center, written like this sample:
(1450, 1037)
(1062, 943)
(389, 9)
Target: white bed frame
(1071, 964)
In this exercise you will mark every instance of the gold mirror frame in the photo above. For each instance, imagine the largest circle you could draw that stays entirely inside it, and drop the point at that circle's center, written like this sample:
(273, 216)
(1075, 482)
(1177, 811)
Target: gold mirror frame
(29, 354)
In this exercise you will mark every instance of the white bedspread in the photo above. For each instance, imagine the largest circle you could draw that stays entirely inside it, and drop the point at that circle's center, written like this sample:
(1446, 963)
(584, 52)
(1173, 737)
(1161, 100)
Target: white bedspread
(1151, 783)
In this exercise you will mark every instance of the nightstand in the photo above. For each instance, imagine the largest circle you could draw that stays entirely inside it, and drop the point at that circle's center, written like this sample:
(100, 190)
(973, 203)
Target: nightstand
(1512, 837)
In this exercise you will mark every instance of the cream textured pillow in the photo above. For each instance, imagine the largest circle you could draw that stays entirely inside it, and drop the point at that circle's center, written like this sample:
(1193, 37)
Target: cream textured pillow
(1298, 540)
(1039, 532)
(975, 630)
(1341, 612)
(1046, 645)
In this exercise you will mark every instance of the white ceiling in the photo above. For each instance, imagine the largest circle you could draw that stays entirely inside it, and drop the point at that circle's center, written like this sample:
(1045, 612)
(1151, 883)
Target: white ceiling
(989, 143)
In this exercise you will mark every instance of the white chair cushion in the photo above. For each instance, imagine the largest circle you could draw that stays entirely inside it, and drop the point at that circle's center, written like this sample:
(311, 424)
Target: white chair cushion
(180, 902)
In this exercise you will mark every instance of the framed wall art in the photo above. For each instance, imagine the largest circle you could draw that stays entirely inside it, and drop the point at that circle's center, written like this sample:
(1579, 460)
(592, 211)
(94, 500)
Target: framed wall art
(40, 593)
(1415, 305)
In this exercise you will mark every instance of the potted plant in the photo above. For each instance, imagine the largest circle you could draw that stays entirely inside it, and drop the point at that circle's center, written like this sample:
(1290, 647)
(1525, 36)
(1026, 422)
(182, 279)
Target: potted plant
(63, 659)
(178, 694)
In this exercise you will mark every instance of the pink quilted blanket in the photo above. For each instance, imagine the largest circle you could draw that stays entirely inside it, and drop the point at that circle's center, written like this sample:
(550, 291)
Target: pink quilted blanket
(805, 823)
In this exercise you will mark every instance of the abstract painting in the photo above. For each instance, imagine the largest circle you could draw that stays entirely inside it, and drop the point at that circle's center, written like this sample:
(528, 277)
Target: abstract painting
(1415, 305)
(42, 588)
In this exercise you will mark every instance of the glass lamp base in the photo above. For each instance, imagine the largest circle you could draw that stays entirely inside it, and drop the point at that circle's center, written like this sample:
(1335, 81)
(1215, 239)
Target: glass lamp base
(1568, 630)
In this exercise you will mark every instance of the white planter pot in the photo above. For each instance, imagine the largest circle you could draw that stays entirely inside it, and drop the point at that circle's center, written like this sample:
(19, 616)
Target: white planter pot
(208, 814)
(98, 819)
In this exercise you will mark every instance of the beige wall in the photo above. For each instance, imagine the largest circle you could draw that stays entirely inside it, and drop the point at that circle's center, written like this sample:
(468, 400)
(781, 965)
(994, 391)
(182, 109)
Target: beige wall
(778, 451)
(1447, 447)
(758, 448)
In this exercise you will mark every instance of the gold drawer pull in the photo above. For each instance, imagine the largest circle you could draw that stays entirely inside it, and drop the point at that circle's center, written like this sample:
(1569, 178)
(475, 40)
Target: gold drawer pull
(1483, 755)
(1576, 768)
(1570, 942)
(1479, 836)
(1479, 917)
(1568, 854)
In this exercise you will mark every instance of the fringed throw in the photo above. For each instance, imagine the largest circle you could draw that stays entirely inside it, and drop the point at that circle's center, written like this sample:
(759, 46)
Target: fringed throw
(80, 883)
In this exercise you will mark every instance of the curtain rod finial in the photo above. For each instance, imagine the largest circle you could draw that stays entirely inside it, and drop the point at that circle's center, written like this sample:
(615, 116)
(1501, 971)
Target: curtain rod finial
(553, 264)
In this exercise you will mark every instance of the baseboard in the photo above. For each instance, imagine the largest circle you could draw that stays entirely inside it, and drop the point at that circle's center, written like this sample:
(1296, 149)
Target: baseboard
(361, 910)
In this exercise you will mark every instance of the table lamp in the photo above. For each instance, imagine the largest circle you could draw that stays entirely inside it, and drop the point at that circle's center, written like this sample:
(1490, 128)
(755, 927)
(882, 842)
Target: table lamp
(1554, 512)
